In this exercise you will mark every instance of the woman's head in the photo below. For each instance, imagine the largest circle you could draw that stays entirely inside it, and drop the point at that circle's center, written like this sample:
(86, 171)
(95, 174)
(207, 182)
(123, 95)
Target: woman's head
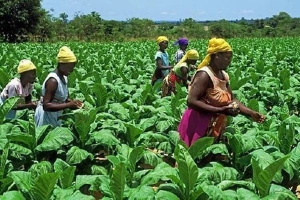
(183, 43)
(219, 52)
(66, 61)
(190, 57)
(27, 70)
(163, 42)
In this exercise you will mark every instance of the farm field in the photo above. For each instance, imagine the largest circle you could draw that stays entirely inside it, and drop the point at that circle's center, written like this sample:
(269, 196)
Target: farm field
(124, 143)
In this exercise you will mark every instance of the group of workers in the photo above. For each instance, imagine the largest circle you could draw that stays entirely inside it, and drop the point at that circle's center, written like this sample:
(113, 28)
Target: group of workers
(210, 99)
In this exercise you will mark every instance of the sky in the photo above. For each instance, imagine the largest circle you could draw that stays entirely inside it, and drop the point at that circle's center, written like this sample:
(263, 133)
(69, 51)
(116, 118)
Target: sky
(174, 10)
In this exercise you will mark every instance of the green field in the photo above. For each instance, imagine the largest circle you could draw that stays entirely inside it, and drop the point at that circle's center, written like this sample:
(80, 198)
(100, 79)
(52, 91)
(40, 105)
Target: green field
(125, 119)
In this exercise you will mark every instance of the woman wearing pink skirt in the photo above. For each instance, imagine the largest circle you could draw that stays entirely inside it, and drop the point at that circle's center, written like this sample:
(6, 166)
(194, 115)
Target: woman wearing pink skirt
(210, 99)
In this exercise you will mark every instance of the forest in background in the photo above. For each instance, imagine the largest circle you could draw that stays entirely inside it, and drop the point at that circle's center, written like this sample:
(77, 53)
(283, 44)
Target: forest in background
(27, 21)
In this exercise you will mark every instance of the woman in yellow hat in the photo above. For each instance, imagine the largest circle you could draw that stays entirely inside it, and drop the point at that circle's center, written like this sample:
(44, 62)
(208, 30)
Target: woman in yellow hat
(161, 60)
(55, 91)
(21, 87)
(179, 74)
(210, 98)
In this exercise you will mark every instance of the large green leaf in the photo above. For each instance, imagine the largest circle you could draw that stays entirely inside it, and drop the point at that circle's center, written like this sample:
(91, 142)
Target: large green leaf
(101, 93)
(104, 137)
(75, 155)
(56, 139)
(165, 195)
(83, 121)
(262, 177)
(44, 186)
(66, 172)
(40, 168)
(246, 194)
(199, 146)
(286, 137)
(188, 170)
(67, 177)
(279, 192)
(12, 195)
(18, 151)
(40, 132)
(7, 106)
(161, 172)
(141, 192)
(132, 133)
(60, 165)
(216, 173)
(3, 160)
(135, 156)
(22, 180)
(117, 183)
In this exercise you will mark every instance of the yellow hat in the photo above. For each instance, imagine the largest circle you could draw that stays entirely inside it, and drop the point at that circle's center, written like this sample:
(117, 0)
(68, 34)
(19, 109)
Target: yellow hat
(25, 65)
(191, 55)
(215, 45)
(161, 39)
(65, 55)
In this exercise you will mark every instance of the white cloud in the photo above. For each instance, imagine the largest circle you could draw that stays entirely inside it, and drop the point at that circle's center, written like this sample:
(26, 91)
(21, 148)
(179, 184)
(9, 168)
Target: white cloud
(247, 11)
(168, 13)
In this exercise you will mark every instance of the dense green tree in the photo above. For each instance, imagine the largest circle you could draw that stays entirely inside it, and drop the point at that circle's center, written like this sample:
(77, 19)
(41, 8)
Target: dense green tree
(137, 28)
(87, 27)
(18, 18)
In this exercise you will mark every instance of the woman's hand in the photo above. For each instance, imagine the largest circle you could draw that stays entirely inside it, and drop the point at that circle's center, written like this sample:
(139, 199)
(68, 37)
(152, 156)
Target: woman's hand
(75, 104)
(258, 117)
(32, 105)
(232, 111)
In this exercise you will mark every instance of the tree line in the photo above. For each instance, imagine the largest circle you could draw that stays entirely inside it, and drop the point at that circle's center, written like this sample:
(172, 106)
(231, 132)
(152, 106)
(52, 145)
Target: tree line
(28, 21)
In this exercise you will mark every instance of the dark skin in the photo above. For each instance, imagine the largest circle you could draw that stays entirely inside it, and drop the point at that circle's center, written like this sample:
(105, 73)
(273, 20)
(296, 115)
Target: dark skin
(25, 78)
(63, 69)
(202, 82)
(183, 47)
(185, 71)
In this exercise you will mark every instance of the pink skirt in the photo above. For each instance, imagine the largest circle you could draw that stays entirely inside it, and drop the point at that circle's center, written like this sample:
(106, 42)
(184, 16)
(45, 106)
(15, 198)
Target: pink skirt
(193, 125)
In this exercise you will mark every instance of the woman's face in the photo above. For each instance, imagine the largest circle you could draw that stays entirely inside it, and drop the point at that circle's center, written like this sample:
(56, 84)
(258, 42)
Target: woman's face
(223, 59)
(164, 44)
(192, 62)
(183, 47)
(30, 76)
(66, 68)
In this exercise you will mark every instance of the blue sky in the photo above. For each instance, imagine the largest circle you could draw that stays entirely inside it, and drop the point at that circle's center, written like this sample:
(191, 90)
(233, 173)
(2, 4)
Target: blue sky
(175, 9)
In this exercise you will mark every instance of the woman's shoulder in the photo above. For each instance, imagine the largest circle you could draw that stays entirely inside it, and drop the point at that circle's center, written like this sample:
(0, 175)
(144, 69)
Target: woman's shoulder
(15, 82)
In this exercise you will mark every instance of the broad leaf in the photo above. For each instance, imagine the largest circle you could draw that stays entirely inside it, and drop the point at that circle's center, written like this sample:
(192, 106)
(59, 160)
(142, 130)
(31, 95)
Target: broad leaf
(188, 170)
(56, 139)
(262, 177)
(117, 183)
(75, 155)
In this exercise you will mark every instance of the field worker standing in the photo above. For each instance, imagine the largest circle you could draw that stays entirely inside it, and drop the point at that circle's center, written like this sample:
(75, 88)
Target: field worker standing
(161, 60)
(21, 87)
(55, 91)
(179, 74)
(183, 44)
(210, 98)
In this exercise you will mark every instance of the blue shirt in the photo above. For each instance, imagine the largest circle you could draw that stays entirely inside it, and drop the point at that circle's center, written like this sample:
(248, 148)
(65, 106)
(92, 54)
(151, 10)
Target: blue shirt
(164, 56)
